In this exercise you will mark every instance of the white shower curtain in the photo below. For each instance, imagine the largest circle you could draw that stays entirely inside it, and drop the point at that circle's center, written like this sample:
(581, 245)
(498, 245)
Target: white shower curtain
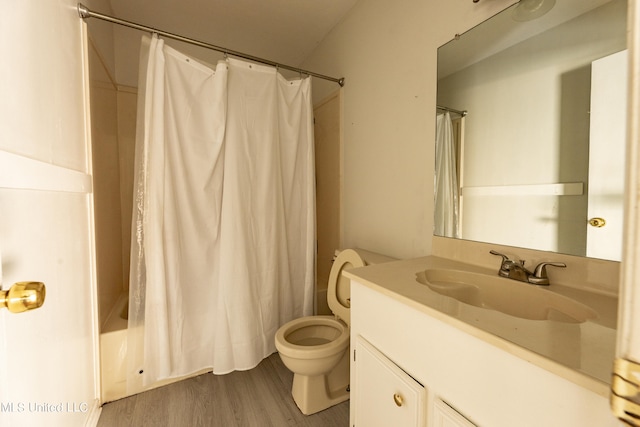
(446, 179)
(224, 217)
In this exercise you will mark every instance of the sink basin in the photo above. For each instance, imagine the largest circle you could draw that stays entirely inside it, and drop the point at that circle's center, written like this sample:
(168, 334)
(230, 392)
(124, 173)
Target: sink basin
(508, 296)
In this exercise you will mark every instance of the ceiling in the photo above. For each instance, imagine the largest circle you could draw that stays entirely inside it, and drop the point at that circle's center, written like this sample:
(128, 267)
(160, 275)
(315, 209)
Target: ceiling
(284, 31)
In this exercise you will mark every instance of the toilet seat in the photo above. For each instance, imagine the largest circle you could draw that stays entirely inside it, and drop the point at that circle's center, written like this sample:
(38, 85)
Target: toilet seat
(339, 287)
(325, 335)
(336, 335)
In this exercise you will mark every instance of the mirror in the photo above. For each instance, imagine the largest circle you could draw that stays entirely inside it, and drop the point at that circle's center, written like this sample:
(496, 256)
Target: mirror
(531, 130)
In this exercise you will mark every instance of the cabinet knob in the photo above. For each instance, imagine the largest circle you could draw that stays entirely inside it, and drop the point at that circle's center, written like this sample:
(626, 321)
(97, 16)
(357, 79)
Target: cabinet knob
(398, 399)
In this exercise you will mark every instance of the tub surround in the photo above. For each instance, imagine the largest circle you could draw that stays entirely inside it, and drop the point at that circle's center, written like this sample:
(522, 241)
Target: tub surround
(582, 353)
(106, 184)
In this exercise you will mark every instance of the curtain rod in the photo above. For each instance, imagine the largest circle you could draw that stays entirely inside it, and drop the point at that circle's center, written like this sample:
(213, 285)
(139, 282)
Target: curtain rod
(451, 110)
(85, 13)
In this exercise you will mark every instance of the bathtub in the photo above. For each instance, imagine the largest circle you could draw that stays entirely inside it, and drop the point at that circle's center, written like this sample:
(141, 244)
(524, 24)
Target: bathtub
(113, 356)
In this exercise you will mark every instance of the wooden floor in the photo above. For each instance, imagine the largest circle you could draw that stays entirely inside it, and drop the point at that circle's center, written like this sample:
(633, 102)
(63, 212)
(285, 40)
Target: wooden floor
(260, 397)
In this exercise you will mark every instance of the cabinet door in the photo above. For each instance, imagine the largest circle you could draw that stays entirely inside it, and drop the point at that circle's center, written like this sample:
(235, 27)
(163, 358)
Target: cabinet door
(385, 395)
(445, 416)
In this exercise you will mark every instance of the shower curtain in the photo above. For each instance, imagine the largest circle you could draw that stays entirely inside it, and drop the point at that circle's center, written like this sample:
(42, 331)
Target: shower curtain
(224, 216)
(446, 181)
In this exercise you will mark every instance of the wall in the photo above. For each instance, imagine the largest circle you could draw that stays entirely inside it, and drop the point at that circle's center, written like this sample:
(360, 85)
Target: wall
(387, 53)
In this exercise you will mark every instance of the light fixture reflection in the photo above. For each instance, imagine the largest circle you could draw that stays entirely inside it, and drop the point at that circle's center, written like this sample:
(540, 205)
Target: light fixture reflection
(526, 10)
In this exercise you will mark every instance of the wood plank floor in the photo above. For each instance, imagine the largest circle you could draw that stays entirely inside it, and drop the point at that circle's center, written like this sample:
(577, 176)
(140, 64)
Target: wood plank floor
(260, 397)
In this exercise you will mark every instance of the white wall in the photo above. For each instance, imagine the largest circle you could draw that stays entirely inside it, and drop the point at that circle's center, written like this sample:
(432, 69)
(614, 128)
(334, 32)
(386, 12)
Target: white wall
(387, 50)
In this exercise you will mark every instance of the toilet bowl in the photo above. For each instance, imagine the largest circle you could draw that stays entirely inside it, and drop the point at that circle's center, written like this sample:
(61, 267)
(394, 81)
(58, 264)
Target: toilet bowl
(315, 348)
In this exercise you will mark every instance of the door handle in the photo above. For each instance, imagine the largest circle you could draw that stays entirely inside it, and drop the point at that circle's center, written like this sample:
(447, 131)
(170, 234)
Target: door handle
(597, 222)
(23, 296)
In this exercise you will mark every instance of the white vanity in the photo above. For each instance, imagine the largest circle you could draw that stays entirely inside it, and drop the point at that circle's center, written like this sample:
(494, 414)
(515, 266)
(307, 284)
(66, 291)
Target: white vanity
(421, 358)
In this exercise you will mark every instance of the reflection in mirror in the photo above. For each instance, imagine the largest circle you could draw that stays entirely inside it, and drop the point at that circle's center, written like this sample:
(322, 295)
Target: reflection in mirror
(540, 150)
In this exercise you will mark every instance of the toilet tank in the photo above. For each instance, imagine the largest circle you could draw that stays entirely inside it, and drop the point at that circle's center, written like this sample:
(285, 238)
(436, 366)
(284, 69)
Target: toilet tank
(371, 258)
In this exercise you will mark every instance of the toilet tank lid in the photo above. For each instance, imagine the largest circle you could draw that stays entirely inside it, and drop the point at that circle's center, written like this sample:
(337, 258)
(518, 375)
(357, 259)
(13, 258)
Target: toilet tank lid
(371, 258)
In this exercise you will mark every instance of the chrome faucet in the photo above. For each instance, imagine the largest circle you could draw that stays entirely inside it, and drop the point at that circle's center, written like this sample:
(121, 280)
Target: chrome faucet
(516, 270)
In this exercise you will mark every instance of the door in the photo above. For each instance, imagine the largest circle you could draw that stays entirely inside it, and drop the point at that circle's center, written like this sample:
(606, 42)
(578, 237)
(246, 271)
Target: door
(46, 355)
(445, 416)
(607, 142)
(48, 363)
(387, 396)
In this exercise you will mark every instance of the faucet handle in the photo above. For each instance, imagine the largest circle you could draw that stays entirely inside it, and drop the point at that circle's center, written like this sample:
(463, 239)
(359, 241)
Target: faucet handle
(540, 276)
(505, 265)
(504, 257)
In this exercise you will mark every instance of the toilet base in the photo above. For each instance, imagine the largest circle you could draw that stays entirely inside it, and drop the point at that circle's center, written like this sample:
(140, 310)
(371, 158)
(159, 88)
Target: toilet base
(316, 393)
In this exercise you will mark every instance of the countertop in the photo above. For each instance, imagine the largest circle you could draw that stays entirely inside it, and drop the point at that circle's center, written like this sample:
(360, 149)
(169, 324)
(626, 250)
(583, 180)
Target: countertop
(580, 352)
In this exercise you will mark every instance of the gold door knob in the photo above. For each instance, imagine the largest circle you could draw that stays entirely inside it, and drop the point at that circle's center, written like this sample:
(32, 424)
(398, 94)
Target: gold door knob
(398, 399)
(597, 222)
(23, 296)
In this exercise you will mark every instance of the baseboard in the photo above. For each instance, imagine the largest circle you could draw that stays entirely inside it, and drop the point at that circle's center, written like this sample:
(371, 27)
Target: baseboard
(93, 414)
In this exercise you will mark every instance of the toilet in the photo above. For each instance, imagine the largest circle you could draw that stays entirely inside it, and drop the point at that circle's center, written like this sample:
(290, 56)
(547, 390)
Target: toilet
(315, 348)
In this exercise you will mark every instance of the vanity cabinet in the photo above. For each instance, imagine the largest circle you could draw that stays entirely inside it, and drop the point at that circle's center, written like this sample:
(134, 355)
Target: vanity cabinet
(388, 396)
(399, 345)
